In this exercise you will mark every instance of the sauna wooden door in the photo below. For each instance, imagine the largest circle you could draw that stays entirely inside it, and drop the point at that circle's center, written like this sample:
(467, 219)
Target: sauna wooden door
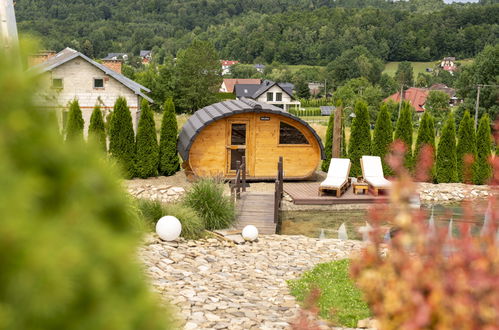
(237, 142)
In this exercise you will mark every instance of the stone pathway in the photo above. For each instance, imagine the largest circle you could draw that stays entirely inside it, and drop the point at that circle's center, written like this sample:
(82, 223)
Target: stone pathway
(219, 285)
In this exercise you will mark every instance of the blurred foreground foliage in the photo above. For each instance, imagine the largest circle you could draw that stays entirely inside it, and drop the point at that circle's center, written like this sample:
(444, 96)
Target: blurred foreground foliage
(67, 231)
(426, 278)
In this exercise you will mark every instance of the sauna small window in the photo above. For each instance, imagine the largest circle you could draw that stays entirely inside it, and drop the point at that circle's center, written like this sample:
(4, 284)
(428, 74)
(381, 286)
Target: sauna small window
(291, 135)
(238, 135)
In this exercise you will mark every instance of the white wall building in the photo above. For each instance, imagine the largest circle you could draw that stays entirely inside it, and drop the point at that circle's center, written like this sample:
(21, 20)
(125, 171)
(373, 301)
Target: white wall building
(71, 75)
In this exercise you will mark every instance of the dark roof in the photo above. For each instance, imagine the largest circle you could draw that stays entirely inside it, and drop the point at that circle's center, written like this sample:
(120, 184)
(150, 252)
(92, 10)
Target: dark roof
(267, 84)
(144, 53)
(245, 90)
(69, 54)
(326, 110)
(205, 116)
(115, 56)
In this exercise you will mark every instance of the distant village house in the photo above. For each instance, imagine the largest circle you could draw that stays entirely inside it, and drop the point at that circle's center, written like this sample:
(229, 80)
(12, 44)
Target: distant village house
(417, 96)
(276, 94)
(228, 84)
(449, 64)
(226, 66)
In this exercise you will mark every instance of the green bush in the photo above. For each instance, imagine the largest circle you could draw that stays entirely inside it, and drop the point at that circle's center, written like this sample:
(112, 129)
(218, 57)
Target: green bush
(482, 170)
(206, 196)
(328, 144)
(466, 145)
(168, 156)
(97, 130)
(152, 210)
(147, 144)
(340, 301)
(446, 153)
(383, 137)
(426, 136)
(67, 240)
(360, 138)
(74, 127)
(403, 131)
(121, 137)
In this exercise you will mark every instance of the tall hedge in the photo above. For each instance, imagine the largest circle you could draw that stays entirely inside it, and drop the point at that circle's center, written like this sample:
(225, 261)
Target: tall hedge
(482, 168)
(328, 144)
(403, 131)
(147, 144)
(168, 156)
(446, 153)
(67, 236)
(383, 137)
(97, 129)
(466, 144)
(74, 126)
(426, 136)
(121, 137)
(360, 138)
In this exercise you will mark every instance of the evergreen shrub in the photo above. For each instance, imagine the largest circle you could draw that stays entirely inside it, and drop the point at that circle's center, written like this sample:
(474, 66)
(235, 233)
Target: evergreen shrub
(383, 137)
(169, 162)
(97, 130)
(75, 124)
(482, 170)
(466, 145)
(446, 153)
(360, 138)
(121, 137)
(328, 144)
(147, 144)
(426, 136)
(403, 131)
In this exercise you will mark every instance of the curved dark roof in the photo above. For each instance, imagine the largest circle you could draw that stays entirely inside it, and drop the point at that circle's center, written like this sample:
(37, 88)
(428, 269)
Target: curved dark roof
(205, 116)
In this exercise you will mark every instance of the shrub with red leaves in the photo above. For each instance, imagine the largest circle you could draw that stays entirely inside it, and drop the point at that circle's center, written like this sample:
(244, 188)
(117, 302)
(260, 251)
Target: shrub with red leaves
(424, 278)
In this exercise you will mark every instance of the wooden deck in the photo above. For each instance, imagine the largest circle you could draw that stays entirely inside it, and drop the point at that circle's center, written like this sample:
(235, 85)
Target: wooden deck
(256, 209)
(307, 193)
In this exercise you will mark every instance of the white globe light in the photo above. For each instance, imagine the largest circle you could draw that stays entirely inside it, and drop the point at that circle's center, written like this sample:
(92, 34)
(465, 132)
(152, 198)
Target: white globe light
(250, 233)
(168, 228)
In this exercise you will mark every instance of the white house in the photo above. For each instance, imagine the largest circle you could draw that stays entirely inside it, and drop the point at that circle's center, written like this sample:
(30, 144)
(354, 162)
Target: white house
(278, 94)
(71, 75)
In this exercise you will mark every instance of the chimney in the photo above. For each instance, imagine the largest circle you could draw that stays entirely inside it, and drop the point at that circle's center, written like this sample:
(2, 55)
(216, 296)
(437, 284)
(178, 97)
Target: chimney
(40, 57)
(114, 65)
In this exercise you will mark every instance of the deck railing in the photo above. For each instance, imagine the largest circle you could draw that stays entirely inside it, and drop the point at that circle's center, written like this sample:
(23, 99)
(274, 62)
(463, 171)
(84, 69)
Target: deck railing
(238, 184)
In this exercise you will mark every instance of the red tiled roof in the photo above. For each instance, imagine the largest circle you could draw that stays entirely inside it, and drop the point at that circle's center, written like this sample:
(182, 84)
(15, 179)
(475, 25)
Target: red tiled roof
(230, 83)
(415, 96)
(228, 63)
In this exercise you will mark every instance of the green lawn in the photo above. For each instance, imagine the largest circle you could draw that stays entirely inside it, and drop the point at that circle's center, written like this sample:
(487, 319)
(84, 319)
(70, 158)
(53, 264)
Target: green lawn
(418, 67)
(340, 301)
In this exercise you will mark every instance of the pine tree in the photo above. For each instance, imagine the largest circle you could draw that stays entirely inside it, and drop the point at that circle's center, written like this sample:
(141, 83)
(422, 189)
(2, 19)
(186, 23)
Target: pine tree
(426, 136)
(466, 145)
(482, 168)
(383, 137)
(74, 127)
(403, 131)
(446, 153)
(147, 144)
(97, 130)
(121, 137)
(168, 156)
(360, 138)
(328, 145)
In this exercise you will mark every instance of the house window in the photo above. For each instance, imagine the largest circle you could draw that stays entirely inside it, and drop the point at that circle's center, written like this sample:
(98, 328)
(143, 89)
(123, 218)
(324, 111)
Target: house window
(291, 135)
(57, 83)
(278, 96)
(270, 96)
(98, 83)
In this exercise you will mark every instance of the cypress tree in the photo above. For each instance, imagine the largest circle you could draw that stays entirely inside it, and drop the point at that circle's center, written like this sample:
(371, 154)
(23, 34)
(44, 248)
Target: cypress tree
(383, 136)
(360, 138)
(466, 144)
(446, 153)
(121, 137)
(168, 157)
(328, 145)
(482, 168)
(403, 131)
(147, 144)
(426, 136)
(97, 130)
(74, 127)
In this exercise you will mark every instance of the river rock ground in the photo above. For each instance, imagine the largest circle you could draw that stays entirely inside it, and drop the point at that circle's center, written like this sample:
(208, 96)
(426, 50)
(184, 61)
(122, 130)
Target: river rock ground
(216, 284)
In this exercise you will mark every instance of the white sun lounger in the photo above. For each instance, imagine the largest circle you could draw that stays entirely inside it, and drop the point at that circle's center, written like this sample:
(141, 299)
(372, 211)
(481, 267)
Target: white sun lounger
(337, 177)
(372, 171)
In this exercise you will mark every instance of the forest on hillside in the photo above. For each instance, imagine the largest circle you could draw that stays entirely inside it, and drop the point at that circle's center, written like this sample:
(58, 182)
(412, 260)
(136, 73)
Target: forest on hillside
(311, 32)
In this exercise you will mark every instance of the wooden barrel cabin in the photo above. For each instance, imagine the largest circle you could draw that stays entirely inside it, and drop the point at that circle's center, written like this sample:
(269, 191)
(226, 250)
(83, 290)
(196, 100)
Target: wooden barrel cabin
(217, 136)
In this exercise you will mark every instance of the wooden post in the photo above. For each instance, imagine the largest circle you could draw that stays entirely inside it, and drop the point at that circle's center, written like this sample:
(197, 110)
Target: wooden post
(337, 132)
(243, 169)
(238, 179)
(280, 175)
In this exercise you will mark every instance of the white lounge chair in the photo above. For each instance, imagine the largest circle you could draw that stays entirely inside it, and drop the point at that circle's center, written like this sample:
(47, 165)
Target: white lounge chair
(337, 177)
(372, 171)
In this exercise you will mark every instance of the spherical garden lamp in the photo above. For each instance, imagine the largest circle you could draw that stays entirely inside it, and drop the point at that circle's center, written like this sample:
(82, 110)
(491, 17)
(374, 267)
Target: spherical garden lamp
(250, 233)
(168, 228)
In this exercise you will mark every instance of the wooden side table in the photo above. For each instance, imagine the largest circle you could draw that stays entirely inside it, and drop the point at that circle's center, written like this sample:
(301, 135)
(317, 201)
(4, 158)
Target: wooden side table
(360, 188)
